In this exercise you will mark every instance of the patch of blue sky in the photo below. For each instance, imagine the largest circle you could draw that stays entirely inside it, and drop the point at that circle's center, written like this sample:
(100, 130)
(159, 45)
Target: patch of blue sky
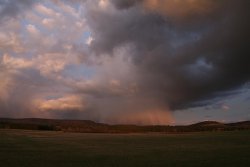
(51, 5)
(80, 71)
(24, 35)
(24, 23)
(84, 37)
(86, 34)
(56, 8)
(76, 5)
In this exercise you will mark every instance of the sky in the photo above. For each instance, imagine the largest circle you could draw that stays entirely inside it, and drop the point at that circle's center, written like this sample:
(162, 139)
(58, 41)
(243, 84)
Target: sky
(145, 62)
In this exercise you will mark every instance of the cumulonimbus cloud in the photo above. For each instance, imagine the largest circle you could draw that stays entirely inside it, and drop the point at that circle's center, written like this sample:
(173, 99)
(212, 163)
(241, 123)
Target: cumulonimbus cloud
(181, 61)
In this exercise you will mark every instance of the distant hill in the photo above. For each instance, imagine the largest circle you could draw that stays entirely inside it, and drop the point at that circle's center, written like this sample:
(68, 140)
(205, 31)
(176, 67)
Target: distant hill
(240, 124)
(86, 126)
(208, 123)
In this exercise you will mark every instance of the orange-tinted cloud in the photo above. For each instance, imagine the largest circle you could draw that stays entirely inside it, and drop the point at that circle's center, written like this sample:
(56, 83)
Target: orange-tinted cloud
(72, 102)
(180, 8)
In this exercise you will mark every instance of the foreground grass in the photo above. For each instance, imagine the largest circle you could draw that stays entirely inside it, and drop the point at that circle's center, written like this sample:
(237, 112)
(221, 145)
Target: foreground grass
(35, 148)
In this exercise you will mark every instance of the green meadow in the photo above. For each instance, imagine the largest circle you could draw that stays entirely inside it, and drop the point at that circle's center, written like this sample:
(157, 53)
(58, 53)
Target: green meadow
(23, 148)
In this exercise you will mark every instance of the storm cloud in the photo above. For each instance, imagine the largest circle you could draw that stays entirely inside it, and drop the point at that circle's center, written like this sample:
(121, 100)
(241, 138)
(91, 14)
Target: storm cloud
(120, 61)
(184, 55)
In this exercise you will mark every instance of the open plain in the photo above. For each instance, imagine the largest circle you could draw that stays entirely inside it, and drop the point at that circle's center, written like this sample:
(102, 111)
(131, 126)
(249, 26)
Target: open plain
(28, 148)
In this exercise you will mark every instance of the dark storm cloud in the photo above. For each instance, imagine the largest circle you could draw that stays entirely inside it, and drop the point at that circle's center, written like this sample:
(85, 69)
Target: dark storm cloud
(11, 8)
(121, 4)
(180, 61)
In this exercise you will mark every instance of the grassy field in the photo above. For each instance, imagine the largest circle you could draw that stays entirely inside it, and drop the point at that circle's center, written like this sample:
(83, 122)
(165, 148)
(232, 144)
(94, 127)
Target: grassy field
(44, 149)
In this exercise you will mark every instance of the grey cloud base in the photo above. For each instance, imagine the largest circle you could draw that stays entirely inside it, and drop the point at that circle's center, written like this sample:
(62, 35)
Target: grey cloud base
(181, 62)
